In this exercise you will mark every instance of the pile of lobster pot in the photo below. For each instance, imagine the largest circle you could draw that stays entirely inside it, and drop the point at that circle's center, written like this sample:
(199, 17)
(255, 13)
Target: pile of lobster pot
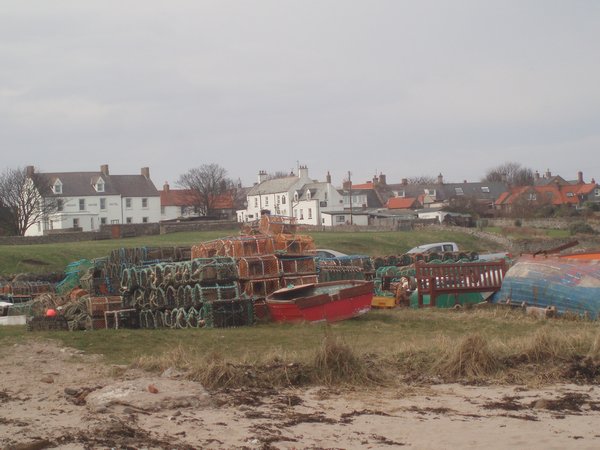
(22, 291)
(202, 292)
(352, 267)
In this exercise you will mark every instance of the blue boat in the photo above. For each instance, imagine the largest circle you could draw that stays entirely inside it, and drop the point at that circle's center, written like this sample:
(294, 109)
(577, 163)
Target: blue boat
(568, 283)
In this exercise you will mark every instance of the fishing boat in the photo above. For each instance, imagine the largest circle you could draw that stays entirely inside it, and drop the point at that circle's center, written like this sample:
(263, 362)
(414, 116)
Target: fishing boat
(570, 283)
(321, 302)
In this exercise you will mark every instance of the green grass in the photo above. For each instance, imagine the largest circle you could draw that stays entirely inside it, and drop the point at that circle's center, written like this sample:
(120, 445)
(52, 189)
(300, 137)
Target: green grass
(382, 347)
(47, 258)
(527, 233)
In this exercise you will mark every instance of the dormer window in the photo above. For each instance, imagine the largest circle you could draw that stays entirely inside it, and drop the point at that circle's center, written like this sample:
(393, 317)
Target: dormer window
(308, 195)
(295, 196)
(57, 187)
(99, 185)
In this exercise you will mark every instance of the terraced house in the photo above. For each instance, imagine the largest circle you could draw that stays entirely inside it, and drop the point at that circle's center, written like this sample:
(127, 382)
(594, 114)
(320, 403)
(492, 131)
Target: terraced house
(87, 200)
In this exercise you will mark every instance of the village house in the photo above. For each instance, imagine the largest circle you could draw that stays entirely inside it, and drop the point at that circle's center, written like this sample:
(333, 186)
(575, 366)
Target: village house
(183, 204)
(87, 200)
(294, 196)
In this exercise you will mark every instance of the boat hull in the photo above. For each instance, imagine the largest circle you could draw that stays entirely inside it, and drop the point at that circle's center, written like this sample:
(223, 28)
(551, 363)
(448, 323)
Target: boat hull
(321, 302)
(569, 284)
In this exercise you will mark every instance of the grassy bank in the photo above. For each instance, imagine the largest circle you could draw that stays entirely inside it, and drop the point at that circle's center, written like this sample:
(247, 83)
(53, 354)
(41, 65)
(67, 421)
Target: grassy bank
(382, 347)
(54, 257)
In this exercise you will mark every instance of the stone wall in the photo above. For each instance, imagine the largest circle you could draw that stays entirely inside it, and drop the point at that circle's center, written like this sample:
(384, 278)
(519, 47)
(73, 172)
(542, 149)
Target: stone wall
(53, 238)
(208, 225)
(559, 223)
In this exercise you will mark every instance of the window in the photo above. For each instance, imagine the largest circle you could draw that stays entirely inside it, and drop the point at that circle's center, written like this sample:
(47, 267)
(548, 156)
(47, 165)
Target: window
(57, 188)
(266, 201)
(102, 220)
(597, 192)
(278, 200)
(429, 191)
(60, 204)
(144, 203)
(283, 199)
(129, 220)
(570, 194)
(75, 223)
(91, 223)
(295, 196)
(162, 210)
(310, 213)
(144, 220)
(114, 221)
(100, 186)
(485, 189)
(128, 203)
(325, 196)
(102, 203)
(340, 219)
(302, 214)
(532, 196)
(256, 202)
(459, 191)
(82, 204)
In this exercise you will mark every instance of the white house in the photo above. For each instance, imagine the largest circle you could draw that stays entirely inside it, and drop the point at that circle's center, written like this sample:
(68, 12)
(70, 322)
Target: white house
(293, 196)
(86, 200)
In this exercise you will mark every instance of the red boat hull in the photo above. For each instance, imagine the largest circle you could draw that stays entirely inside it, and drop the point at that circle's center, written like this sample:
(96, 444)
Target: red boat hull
(345, 304)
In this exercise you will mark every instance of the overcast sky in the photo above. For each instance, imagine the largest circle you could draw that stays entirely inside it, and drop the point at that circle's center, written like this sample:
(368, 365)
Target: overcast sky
(405, 88)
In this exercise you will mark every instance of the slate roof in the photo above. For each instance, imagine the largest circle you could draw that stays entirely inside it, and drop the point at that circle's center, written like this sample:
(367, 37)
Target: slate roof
(316, 190)
(81, 184)
(274, 186)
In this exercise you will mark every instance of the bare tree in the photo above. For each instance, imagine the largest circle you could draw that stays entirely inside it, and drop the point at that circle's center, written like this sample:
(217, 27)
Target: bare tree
(512, 173)
(208, 182)
(278, 174)
(23, 196)
(422, 179)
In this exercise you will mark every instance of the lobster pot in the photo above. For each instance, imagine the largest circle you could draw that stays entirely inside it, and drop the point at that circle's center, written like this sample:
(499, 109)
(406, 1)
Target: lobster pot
(338, 273)
(294, 244)
(228, 313)
(260, 288)
(41, 323)
(123, 318)
(258, 245)
(277, 224)
(252, 267)
(97, 306)
(97, 323)
(27, 288)
(295, 280)
(203, 294)
(213, 270)
(301, 265)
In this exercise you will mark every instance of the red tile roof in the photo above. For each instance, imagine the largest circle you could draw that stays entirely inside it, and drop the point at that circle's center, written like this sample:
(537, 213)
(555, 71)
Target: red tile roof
(179, 197)
(401, 202)
(567, 194)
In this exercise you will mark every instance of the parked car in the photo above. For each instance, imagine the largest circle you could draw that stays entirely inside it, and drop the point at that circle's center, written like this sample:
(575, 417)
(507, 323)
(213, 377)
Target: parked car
(437, 247)
(328, 253)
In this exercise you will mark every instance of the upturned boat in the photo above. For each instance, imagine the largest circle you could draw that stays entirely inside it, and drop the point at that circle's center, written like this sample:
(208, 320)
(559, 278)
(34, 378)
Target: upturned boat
(570, 283)
(321, 302)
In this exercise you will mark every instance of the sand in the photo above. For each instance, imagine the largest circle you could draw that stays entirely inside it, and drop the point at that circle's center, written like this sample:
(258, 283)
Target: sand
(49, 399)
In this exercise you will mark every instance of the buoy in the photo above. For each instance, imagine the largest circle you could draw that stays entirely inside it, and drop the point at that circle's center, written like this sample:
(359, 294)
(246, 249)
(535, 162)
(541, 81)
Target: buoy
(51, 313)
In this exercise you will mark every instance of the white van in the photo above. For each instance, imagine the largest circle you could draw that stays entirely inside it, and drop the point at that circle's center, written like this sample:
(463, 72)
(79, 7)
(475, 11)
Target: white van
(437, 247)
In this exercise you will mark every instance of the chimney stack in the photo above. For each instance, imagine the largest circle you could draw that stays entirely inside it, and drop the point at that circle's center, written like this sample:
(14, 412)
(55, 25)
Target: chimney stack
(382, 179)
(30, 171)
(580, 177)
(404, 181)
(347, 185)
(104, 169)
(262, 176)
(166, 187)
(146, 172)
(328, 177)
(548, 173)
(303, 172)
(440, 179)
(537, 175)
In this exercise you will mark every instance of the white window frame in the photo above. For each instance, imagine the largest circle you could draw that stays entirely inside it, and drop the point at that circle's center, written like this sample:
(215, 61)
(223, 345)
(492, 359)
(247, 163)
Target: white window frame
(57, 187)
(128, 202)
(100, 186)
(102, 203)
(82, 204)
(129, 220)
(144, 203)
